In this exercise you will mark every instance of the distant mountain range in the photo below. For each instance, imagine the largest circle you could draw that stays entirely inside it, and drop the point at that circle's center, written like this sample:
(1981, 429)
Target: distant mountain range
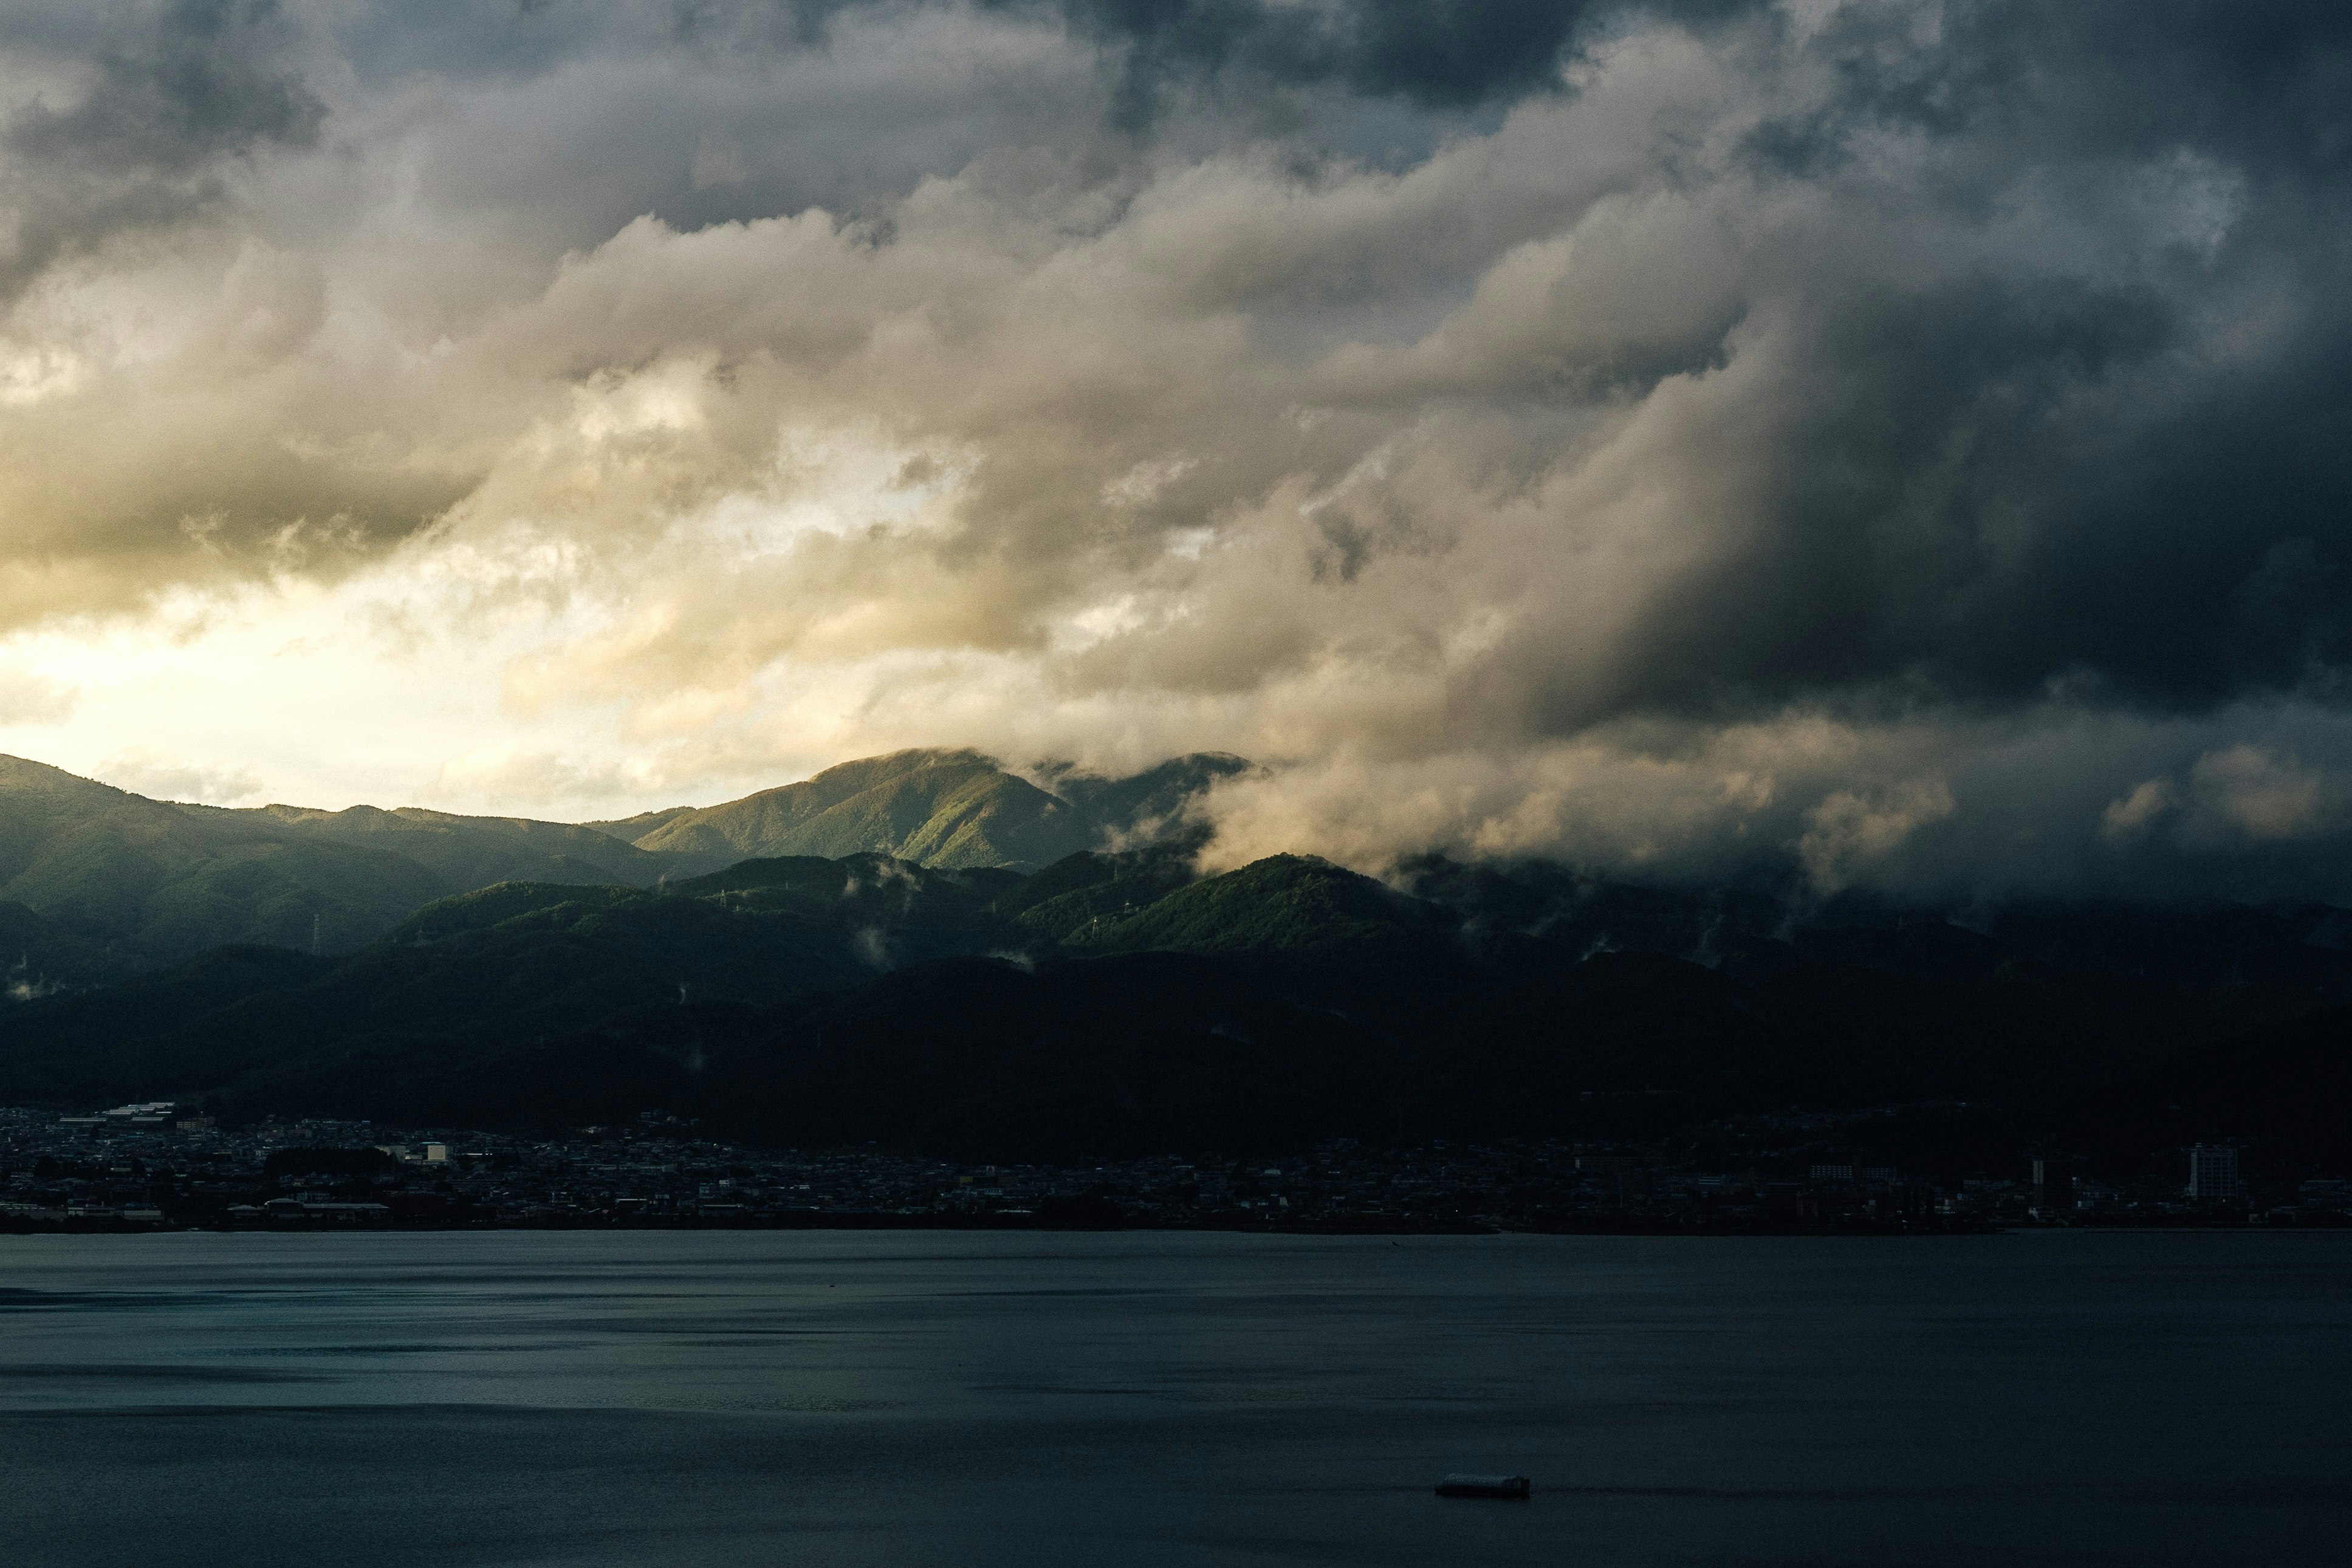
(1111, 1003)
(97, 884)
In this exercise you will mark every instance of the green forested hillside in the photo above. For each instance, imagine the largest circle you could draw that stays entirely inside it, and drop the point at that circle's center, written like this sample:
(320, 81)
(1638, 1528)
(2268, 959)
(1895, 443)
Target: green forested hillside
(952, 809)
(949, 809)
(474, 852)
(162, 881)
(1087, 891)
(109, 882)
(1284, 904)
(629, 830)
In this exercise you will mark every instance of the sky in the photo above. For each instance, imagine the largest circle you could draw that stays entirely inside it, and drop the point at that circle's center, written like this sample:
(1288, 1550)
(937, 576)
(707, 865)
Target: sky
(1906, 445)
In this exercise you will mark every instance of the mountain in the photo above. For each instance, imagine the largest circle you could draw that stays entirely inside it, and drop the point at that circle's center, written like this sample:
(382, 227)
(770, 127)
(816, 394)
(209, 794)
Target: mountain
(1282, 904)
(97, 884)
(929, 950)
(953, 809)
(149, 882)
(108, 882)
(986, 1060)
(472, 852)
(629, 830)
(470, 977)
(1118, 1002)
(1087, 889)
(1142, 806)
(2283, 1087)
(41, 954)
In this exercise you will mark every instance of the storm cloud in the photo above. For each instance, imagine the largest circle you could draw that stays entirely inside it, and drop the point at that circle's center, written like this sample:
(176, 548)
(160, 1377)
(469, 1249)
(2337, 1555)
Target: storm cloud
(1906, 444)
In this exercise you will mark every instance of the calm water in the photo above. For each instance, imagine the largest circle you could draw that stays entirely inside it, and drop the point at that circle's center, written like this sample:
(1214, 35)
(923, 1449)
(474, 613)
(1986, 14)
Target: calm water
(770, 1399)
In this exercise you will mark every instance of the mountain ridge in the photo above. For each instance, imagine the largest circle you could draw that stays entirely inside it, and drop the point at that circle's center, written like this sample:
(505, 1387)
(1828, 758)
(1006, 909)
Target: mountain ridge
(111, 883)
(1121, 1001)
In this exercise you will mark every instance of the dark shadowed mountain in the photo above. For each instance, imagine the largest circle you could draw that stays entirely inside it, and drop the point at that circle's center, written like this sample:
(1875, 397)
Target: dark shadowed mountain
(1112, 1003)
(1085, 890)
(1284, 904)
(42, 954)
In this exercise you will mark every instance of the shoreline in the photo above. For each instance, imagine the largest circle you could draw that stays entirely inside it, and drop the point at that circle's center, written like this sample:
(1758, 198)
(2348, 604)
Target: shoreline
(935, 1222)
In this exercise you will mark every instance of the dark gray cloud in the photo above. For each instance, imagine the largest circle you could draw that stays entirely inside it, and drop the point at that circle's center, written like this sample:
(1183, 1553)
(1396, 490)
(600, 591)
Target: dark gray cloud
(197, 83)
(1967, 502)
(1436, 53)
(1999, 485)
(2050, 467)
(168, 94)
(1439, 53)
(2265, 84)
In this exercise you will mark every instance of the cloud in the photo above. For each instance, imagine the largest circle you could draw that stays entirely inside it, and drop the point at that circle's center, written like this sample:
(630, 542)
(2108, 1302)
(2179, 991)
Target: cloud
(1849, 832)
(512, 777)
(2270, 798)
(28, 697)
(1895, 445)
(174, 779)
(1939, 807)
(136, 137)
(1437, 52)
(2129, 816)
(718, 160)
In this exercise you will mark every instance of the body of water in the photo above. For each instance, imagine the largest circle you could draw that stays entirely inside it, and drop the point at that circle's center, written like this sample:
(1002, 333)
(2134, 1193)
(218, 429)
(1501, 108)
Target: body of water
(1038, 1399)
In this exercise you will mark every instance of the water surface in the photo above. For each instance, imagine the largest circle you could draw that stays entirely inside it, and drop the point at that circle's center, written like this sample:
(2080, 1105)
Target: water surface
(941, 1399)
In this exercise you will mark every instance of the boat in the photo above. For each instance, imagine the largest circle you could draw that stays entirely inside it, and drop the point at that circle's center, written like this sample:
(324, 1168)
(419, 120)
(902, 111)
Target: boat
(1513, 1487)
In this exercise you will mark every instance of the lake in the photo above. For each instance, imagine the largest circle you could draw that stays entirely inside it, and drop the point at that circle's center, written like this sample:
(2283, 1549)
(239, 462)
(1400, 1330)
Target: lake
(778, 1397)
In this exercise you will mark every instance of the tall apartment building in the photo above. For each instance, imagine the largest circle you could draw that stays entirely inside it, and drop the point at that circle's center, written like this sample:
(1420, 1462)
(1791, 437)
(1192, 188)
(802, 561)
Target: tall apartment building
(2213, 1171)
(2054, 1185)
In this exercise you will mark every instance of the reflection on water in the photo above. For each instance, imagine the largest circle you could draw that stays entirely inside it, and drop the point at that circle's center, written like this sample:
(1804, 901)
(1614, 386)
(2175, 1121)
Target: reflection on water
(764, 1397)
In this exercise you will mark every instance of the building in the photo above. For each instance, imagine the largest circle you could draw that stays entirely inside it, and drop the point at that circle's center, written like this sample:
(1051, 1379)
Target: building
(2054, 1185)
(2213, 1171)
